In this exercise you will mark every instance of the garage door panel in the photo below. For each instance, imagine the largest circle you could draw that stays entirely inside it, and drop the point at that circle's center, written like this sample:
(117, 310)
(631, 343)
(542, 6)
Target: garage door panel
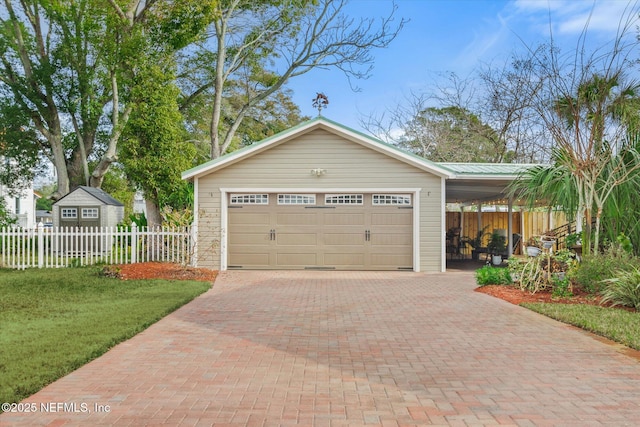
(341, 239)
(343, 218)
(297, 218)
(248, 239)
(248, 260)
(297, 239)
(345, 260)
(390, 260)
(392, 218)
(238, 217)
(300, 260)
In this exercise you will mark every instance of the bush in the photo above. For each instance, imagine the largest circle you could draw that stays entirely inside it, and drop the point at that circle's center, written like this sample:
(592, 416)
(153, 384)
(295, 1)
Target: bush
(623, 289)
(534, 274)
(489, 275)
(594, 269)
(561, 287)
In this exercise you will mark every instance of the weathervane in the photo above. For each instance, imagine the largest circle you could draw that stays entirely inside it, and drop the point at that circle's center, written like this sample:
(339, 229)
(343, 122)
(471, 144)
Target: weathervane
(320, 101)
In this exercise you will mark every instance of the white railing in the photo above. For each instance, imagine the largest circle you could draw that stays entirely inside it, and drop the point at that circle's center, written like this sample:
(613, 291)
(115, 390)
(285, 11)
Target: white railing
(55, 247)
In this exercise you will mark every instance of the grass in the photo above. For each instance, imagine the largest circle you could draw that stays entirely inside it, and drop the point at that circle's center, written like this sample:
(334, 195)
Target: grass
(56, 320)
(617, 325)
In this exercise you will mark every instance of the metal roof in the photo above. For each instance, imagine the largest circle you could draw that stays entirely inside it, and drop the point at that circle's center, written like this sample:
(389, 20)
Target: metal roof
(486, 169)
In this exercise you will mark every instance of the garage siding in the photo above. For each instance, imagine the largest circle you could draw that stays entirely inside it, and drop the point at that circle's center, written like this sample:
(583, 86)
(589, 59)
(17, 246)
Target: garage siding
(348, 165)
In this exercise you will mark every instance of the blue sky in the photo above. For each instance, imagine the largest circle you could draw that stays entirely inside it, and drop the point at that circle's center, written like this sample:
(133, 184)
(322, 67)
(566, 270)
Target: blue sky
(451, 35)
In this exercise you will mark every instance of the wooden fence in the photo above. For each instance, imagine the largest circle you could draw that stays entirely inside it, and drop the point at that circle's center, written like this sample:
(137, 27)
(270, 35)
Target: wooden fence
(40, 247)
(525, 223)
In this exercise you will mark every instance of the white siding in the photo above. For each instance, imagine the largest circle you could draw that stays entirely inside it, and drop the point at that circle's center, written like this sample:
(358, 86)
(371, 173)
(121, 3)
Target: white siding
(347, 164)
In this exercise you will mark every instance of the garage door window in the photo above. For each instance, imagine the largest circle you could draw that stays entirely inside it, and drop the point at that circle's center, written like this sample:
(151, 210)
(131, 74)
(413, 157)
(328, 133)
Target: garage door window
(69, 213)
(391, 200)
(249, 199)
(343, 199)
(296, 199)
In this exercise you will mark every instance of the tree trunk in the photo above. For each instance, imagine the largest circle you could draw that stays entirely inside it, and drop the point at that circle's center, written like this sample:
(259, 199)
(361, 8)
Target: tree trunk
(61, 168)
(154, 219)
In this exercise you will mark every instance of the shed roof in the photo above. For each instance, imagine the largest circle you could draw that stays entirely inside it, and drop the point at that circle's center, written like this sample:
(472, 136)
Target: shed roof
(96, 193)
(308, 126)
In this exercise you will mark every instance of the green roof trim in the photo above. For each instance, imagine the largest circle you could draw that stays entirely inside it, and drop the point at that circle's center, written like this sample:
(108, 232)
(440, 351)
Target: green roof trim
(486, 169)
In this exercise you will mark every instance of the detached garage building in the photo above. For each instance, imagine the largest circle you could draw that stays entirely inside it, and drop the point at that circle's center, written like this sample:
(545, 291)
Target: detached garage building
(320, 196)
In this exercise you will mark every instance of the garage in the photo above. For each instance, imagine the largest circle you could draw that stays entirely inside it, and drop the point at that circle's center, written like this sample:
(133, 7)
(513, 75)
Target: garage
(342, 231)
(319, 196)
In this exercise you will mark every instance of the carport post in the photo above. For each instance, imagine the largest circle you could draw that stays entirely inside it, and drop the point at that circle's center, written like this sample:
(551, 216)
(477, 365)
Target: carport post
(510, 228)
(479, 216)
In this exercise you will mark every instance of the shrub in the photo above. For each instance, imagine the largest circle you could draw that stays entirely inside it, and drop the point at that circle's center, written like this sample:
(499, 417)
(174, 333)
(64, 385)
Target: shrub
(596, 268)
(532, 277)
(623, 289)
(489, 275)
(537, 273)
(561, 287)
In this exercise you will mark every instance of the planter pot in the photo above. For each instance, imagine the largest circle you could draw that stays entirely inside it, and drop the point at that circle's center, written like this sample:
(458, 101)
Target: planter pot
(496, 259)
(533, 250)
(548, 244)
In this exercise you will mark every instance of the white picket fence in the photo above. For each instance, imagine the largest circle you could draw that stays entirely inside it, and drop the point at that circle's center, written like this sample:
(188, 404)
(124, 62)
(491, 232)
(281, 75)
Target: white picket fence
(55, 247)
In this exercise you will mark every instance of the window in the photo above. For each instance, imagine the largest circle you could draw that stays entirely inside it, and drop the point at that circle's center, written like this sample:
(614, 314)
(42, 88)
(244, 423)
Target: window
(249, 199)
(296, 199)
(391, 199)
(89, 213)
(69, 213)
(343, 199)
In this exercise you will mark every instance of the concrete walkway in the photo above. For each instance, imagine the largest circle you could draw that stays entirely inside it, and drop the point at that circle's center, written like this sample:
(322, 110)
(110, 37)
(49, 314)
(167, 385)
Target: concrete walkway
(348, 349)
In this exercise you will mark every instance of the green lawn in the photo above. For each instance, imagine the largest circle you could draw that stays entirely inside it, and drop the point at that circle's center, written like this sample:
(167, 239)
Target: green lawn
(617, 325)
(53, 321)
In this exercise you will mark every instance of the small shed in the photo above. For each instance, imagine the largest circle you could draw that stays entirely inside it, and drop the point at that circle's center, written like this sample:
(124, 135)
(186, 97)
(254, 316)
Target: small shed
(87, 207)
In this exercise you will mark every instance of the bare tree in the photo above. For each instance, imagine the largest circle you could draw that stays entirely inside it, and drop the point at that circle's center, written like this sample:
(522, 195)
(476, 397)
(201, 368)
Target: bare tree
(264, 44)
(499, 120)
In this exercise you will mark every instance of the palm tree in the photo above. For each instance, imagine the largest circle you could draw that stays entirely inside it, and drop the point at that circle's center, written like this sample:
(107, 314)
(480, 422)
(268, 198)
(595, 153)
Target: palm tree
(592, 130)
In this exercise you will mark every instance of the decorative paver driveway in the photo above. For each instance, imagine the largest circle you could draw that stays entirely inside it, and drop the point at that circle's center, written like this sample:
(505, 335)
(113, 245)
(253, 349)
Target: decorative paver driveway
(320, 348)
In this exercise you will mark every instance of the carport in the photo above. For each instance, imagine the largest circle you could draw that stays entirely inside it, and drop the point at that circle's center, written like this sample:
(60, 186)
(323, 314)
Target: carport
(475, 184)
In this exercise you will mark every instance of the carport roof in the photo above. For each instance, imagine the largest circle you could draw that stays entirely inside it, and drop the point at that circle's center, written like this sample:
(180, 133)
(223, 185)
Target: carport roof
(486, 170)
(481, 182)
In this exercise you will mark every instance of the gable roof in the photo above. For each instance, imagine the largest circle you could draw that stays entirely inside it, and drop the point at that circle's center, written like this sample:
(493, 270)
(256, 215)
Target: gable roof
(96, 193)
(311, 125)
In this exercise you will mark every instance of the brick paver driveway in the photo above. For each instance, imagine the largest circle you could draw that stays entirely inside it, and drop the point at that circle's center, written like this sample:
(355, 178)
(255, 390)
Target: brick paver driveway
(349, 349)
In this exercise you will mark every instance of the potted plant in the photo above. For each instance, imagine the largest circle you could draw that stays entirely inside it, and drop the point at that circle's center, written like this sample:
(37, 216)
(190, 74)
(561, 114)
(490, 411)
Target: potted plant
(573, 241)
(534, 246)
(497, 246)
(548, 239)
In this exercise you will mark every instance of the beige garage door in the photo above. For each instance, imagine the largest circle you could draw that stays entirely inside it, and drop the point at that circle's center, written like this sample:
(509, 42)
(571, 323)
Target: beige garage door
(320, 231)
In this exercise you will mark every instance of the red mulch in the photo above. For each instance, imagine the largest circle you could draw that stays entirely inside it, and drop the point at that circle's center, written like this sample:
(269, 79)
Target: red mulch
(516, 296)
(162, 270)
